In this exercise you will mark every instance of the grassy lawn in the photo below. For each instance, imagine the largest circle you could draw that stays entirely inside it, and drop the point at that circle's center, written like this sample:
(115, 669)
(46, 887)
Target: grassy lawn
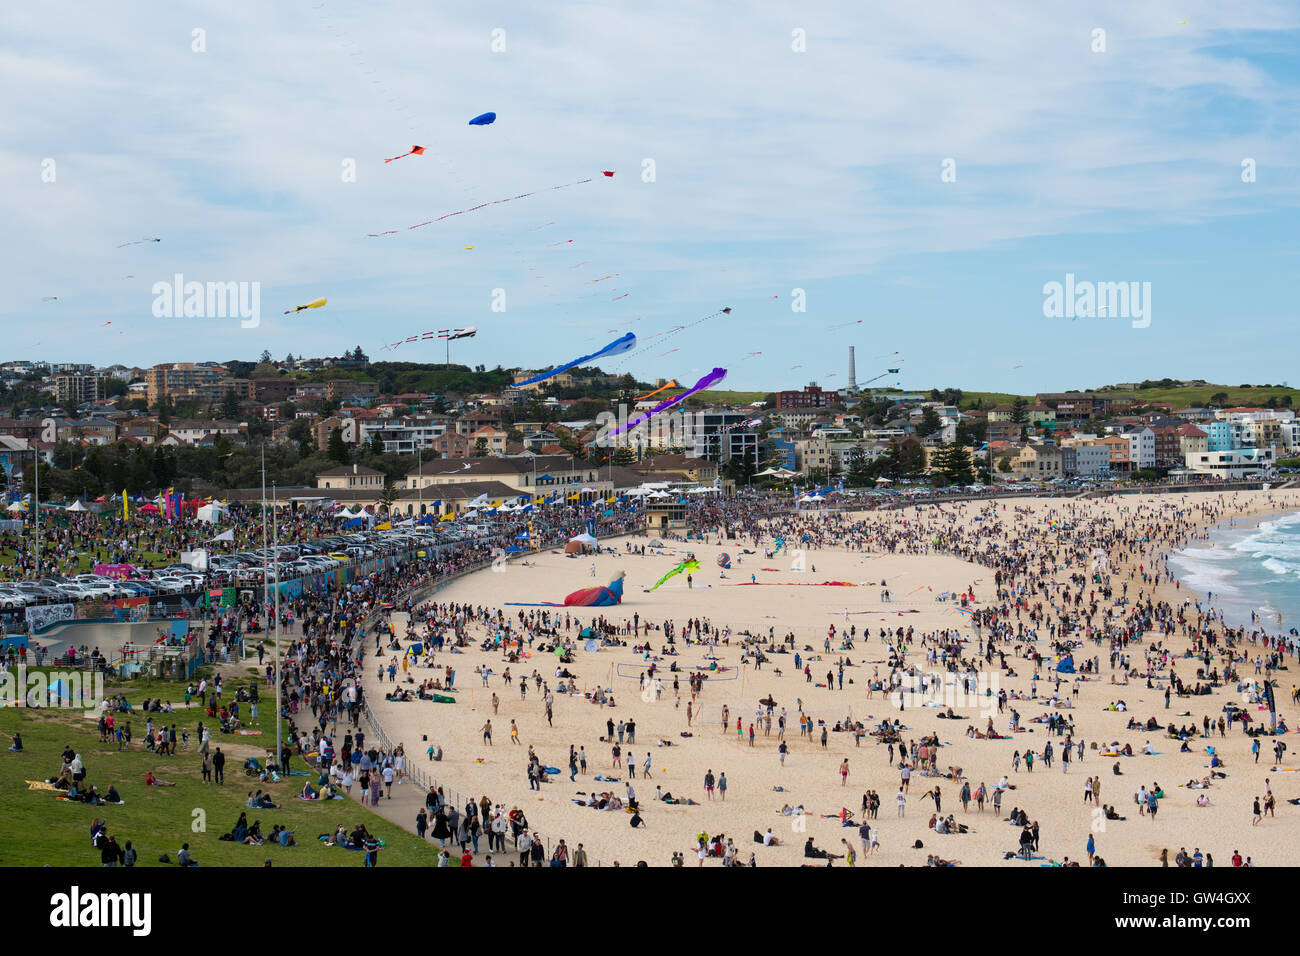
(84, 564)
(723, 397)
(37, 829)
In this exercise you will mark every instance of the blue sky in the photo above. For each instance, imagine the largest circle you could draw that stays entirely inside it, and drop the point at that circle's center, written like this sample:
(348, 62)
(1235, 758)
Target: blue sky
(775, 170)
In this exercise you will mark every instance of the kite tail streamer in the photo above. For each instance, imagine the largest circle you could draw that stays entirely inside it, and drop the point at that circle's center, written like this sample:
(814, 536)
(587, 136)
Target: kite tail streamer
(685, 567)
(708, 381)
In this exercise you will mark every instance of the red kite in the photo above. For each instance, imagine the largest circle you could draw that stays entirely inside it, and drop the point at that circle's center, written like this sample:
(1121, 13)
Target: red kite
(415, 151)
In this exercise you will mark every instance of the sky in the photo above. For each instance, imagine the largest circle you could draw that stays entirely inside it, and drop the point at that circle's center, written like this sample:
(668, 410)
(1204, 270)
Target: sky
(902, 179)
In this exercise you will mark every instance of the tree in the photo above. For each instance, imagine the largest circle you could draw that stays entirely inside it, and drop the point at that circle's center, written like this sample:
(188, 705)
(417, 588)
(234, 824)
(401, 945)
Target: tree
(738, 468)
(860, 468)
(389, 495)
(1019, 416)
(230, 404)
(376, 444)
(140, 472)
(265, 357)
(623, 455)
(1219, 399)
(952, 464)
(338, 449)
(480, 447)
(930, 423)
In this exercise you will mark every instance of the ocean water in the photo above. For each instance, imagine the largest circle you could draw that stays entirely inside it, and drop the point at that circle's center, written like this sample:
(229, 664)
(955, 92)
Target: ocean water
(1248, 568)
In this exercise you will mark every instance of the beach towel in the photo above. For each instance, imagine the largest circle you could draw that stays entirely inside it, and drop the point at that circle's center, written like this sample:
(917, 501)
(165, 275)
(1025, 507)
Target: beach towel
(41, 785)
(249, 733)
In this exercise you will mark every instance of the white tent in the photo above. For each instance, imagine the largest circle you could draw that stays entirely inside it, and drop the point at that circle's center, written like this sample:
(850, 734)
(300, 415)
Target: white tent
(884, 481)
(347, 515)
(16, 506)
(77, 506)
(211, 512)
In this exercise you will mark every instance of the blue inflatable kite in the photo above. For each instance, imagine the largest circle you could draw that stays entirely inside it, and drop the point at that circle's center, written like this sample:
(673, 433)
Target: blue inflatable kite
(485, 119)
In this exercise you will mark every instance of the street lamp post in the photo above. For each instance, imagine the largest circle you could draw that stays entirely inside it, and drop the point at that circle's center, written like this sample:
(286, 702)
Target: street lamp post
(275, 543)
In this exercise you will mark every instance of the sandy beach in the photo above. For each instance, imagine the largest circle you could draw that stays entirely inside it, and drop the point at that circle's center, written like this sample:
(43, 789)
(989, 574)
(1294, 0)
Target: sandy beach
(783, 600)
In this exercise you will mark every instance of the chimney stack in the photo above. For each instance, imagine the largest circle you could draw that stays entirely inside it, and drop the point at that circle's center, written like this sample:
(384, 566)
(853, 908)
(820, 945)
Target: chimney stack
(853, 374)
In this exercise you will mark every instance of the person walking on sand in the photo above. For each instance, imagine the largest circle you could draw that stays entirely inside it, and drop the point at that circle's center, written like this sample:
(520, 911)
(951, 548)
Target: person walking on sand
(514, 733)
(709, 781)
(722, 785)
(1255, 816)
(487, 733)
(844, 772)
(902, 802)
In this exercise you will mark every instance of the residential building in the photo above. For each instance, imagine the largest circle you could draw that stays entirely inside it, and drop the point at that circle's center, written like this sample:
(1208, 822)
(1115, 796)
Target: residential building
(1039, 462)
(488, 440)
(812, 455)
(77, 388)
(1141, 448)
(1191, 439)
(810, 397)
(1118, 446)
(201, 432)
(164, 381)
(351, 477)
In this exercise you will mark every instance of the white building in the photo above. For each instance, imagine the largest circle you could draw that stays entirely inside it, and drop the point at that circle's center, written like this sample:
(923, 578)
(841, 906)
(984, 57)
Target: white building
(1142, 448)
(1236, 463)
(403, 437)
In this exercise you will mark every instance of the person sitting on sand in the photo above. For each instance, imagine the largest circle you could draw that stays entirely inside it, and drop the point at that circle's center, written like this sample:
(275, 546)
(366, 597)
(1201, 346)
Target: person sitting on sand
(1112, 815)
(814, 853)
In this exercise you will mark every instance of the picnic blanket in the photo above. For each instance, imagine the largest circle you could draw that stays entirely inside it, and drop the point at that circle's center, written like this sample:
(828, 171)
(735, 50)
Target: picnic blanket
(42, 785)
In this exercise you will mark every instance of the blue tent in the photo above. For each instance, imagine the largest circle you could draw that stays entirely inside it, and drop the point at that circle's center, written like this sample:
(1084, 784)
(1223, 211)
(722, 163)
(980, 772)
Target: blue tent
(1066, 666)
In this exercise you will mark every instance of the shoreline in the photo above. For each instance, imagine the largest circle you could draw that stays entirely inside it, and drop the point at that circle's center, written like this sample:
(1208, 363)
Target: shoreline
(1206, 535)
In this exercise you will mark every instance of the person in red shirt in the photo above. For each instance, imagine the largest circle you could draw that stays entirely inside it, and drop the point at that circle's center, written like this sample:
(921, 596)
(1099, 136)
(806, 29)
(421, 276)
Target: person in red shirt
(1236, 858)
(467, 859)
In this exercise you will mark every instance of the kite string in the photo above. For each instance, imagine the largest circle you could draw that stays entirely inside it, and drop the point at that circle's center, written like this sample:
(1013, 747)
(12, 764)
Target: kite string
(680, 328)
(461, 212)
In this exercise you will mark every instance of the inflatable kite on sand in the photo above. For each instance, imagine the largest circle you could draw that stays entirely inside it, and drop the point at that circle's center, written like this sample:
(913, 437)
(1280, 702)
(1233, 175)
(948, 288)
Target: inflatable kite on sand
(587, 597)
(724, 560)
(686, 567)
